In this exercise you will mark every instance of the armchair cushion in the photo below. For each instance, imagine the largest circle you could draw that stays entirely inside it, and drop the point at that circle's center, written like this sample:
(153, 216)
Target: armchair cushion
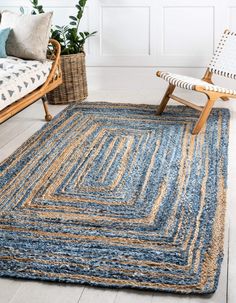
(190, 83)
(20, 77)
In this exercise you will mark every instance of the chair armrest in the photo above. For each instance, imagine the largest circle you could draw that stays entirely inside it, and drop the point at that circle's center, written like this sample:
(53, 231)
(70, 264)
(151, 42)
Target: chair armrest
(54, 52)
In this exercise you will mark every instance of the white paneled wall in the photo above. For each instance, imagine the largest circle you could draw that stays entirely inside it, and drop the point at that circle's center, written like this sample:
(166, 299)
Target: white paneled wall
(135, 37)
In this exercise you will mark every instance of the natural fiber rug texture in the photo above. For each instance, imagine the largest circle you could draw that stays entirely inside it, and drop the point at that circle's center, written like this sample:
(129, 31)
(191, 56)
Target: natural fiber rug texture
(113, 195)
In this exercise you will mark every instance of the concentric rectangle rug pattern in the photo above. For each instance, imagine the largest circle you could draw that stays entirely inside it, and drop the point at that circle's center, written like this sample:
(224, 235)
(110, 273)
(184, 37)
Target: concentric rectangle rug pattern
(112, 195)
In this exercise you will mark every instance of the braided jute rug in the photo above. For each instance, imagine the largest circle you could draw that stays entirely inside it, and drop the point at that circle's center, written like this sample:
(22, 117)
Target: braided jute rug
(112, 195)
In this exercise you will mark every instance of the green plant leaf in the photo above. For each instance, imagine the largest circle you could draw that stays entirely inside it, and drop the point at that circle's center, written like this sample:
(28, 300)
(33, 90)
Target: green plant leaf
(73, 18)
(80, 14)
(82, 2)
(22, 10)
(65, 27)
(40, 9)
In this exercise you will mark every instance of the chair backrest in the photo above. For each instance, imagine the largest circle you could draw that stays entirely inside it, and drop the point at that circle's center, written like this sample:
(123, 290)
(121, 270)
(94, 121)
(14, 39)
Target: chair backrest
(223, 62)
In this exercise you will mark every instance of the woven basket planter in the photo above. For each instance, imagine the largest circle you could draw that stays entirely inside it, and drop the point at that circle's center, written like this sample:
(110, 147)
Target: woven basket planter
(74, 87)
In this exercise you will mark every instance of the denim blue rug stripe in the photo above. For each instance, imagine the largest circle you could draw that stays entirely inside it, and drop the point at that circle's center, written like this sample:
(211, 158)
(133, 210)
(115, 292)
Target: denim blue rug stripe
(112, 195)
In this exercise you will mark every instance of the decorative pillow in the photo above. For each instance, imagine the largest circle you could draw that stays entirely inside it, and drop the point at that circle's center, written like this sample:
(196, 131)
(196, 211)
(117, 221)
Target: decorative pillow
(4, 33)
(29, 36)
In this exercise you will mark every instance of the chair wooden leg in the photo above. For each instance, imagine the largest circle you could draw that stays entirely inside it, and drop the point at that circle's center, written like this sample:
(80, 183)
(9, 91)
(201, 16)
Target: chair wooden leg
(165, 99)
(204, 115)
(48, 116)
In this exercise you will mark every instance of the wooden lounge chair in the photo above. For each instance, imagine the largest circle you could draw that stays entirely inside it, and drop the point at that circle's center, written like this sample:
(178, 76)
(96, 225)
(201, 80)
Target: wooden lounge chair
(53, 80)
(223, 63)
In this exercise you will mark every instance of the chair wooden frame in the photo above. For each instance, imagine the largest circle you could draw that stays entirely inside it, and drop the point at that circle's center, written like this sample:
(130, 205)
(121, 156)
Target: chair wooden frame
(54, 79)
(205, 111)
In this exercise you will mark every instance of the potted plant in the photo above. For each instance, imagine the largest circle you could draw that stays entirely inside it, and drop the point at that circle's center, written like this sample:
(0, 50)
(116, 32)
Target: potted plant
(74, 87)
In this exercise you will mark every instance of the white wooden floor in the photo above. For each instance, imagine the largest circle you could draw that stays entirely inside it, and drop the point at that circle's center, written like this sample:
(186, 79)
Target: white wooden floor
(17, 129)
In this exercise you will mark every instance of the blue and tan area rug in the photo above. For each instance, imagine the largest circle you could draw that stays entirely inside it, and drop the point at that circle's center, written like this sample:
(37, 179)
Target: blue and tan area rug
(113, 195)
